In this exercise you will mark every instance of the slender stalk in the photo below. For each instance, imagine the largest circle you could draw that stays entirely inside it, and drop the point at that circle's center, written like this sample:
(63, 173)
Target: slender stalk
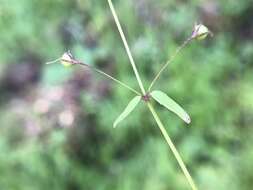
(168, 62)
(172, 147)
(76, 62)
(110, 77)
(54, 61)
(122, 35)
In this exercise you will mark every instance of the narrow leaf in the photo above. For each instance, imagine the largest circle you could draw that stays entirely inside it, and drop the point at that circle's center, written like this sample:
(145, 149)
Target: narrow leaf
(171, 105)
(130, 107)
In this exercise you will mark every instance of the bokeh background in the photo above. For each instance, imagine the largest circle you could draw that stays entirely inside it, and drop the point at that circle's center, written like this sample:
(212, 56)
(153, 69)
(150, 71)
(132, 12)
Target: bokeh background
(56, 123)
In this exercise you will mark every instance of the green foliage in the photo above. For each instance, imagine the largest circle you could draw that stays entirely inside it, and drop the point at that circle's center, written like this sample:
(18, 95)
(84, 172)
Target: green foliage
(211, 79)
(170, 104)
(130, 107)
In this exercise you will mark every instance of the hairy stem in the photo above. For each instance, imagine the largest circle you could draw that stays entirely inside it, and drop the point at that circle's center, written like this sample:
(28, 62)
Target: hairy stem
(122, 35)
(172, 147)
(168, 62)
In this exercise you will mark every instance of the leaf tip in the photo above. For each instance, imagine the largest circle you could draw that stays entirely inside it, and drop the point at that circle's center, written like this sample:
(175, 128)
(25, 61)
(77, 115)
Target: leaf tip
(187, 119)
(130, 107)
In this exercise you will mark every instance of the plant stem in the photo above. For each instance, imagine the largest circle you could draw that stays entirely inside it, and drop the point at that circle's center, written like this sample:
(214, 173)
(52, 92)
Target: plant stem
(110, 77)
(122, 35)
(168, 62)
(172, 147)
(76, 62)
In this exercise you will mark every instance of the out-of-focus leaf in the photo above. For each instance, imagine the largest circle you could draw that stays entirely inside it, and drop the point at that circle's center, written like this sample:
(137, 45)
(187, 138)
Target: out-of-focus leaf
(171, 105)
(130, 107)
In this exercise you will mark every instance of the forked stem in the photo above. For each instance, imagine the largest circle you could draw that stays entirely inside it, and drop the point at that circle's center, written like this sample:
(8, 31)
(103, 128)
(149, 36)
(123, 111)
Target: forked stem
(172, 147)
(168, 62)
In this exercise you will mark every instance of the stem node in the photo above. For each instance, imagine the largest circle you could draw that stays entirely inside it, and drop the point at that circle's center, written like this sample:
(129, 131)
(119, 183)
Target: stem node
(146, 97)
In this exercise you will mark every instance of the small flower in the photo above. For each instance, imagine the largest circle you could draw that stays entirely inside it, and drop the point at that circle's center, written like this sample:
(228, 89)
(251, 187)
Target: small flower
(67, 59)
(200, 32)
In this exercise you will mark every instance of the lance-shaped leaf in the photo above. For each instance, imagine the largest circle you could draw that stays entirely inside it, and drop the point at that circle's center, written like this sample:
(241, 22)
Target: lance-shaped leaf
(130, 107)
(171, 105)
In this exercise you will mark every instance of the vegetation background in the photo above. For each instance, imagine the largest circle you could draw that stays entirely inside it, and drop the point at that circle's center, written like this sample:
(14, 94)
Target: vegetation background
(56, 123)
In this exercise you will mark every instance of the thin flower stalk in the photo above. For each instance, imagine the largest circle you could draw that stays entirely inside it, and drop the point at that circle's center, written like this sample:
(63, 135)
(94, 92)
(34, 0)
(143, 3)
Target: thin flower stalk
(168, 62)
(73, 61)
(112, 78)
(200, 32)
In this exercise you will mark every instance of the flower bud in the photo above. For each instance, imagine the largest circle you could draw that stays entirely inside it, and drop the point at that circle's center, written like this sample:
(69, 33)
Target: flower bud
(200, 32)
(67, 59)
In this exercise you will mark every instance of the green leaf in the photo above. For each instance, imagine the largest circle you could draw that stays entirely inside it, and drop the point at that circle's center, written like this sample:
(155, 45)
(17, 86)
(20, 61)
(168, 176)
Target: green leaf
(130, 107)
(171, 105)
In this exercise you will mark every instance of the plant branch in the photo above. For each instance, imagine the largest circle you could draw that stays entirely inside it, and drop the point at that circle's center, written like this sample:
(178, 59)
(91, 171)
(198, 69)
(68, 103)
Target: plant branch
(168, 62)
(172, 147)
(75, 62)
(122, 35)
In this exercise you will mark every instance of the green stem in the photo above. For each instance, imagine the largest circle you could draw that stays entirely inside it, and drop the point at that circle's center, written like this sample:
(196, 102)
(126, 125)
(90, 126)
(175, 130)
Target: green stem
(110, 77)
(122, 35)
(76, 62)
(172, 147)
(168, 62)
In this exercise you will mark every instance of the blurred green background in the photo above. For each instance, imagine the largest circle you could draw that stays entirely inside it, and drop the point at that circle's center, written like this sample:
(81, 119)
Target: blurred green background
(56, 123)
